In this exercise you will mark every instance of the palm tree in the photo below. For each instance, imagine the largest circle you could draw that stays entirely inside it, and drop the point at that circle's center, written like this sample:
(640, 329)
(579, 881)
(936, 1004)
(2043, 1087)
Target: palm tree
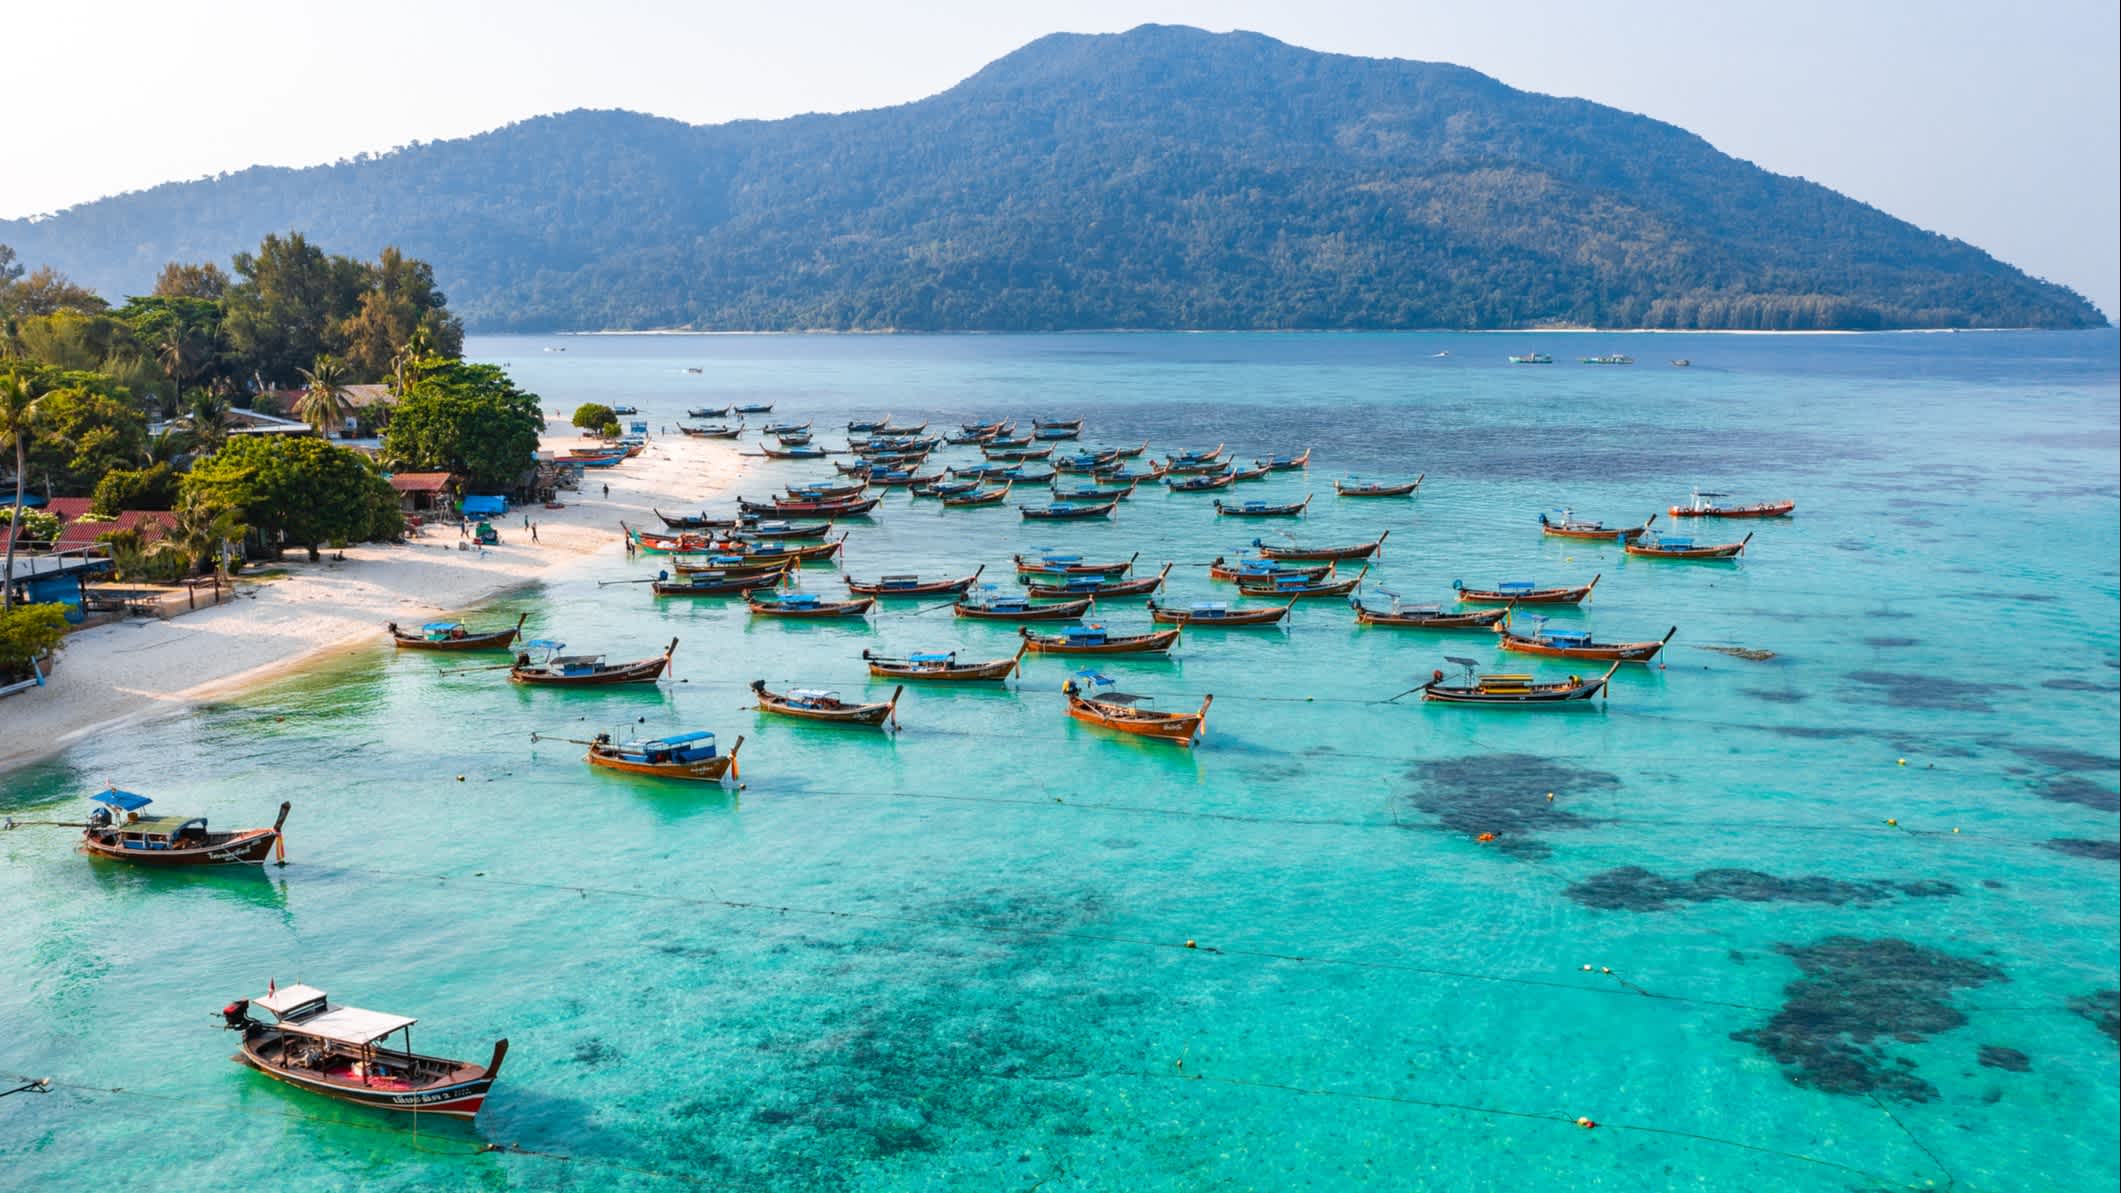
(18, 405)
(200, 531)
(182, 353)
(417, 347)
(206, 416)
(323, 404)
(169, 446)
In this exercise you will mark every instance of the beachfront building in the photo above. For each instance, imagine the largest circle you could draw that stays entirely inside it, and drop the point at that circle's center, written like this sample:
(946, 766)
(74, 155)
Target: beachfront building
(60, 576)
(426, 492)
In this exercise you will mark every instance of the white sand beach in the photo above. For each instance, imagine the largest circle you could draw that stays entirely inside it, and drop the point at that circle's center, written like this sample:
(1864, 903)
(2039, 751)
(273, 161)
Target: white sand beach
(114, 674)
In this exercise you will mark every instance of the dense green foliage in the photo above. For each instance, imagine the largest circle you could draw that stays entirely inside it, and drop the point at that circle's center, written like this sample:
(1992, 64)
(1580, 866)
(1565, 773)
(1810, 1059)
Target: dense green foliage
(297, 491)
(80, 432)
(596, 417)
(29, 632)
(121, 489)
(464, 418)
(37, 526)
(1164, 177)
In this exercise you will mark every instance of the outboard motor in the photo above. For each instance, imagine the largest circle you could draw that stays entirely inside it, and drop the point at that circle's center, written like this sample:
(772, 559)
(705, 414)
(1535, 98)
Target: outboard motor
(99, 817)
(236, 1015)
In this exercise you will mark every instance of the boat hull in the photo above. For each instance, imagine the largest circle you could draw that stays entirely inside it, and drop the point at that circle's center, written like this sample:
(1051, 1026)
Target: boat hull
(1180, 729)
(707, 770)
(458, 1098)
(643, 671)
(247, 847)
(1064, 611)
(1155, 642)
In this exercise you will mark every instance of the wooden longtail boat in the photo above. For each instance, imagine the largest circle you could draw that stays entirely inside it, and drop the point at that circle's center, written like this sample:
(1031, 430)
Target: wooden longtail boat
(947, 488)
(338, 1052)
(1424, 617)
(1197, 457)
(1258, 472)
(1665, 546)
(1084, 461)
(824, 492)
(1217, 613)
(1092, 638)
(1576, 644)
(1512, 691)
(1056, 564)
(1357, 487)
(771, 551)
(1051, 434)
(805, 604)
(1569, 527)
(1196, 467)
(453, 635)
(1262, 509)
(993, 428)
(1102, 586)
(1222, 569)
(1129, 453)
(116, 830)
(1703, 505)
(1064, 509)
(717, 583)
(988, 602)
(656, 543)
(1060, 424)
(977, 497)
(1016, 455)
(894, 478)
(583, 670)
(687, 756)
(941, 666)
(699, 521)
(968, 438)
(754, 408)
(792, 438)
(1123, 711)
(793, 453)
(1291, 586)
(708, 412)
(830, 509)
(1117, 475)
(902, 431)
(754, 529)
(1010, 441)
(913, 585)
(1201, 484)
(729, 564)
(1287, 463)
(1091, 493)
(1293, 551)
(1523, 592)
(813, 704)
(858, 427)
(713, 432)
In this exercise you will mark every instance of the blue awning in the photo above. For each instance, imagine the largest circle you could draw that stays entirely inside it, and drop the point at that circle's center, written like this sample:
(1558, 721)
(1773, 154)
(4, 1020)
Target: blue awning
(485, 505)
(124, 801)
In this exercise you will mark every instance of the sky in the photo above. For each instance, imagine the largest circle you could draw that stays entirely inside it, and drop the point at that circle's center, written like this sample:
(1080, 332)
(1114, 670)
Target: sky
(1997, 124)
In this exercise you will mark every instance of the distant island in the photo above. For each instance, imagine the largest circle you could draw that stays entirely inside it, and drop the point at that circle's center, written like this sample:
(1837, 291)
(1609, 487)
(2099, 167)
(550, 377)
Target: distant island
(1161, 178)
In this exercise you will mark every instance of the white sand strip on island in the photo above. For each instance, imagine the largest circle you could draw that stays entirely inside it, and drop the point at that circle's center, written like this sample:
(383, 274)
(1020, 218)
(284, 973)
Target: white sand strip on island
(114, 674)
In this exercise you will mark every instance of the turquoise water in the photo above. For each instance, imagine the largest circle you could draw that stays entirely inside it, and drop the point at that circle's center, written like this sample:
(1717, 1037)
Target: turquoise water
(958, 959)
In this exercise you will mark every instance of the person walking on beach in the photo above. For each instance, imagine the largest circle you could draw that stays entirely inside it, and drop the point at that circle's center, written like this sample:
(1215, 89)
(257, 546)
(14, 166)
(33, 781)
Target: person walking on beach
(463, 529)
(607, 490)
(533, 529)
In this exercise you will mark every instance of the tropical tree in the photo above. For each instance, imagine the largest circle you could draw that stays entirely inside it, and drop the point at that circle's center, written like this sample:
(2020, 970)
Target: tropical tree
(181, 279)
(324, 405)
(19, 399)
(29, 633)
(206, 418)
(184, 352)
(297, 491)
(200, 532)
(469, 419)
(169, 446)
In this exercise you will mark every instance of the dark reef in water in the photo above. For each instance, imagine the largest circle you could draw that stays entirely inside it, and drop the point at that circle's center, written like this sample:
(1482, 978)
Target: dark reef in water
(2073, 789)
(1996, 1056)
(1777, 697)
(2065, 758)
(1852, 992)
(2101, 1009)
(2070, 684)
(1905, 689)
(1632, 888)
(2098, 851)
(1504, 794)
(1891, 641)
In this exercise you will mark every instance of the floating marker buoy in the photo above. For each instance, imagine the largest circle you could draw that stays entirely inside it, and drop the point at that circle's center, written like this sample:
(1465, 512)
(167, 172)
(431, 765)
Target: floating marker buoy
(1894, 821)
(1587, 1123)
(460, 778)
(1550, 795)
(1485, 837)
(1955, 828)
(1903, 762)
(1605, 969)
(1190, 944)
(1586, 969)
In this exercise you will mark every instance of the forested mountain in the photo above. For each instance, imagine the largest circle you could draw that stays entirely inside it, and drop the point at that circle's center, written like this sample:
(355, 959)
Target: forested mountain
(1163, 177)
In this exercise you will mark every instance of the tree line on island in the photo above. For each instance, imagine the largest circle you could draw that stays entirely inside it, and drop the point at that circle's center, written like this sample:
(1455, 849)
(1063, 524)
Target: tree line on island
(136, 406)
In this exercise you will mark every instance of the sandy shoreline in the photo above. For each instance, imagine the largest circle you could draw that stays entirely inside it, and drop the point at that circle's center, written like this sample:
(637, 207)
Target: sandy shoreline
(117, 674)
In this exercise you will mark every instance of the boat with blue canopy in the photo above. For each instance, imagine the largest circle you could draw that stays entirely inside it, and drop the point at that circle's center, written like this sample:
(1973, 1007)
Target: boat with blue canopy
(1217, 613)
(942, 665)
(1092, 637)
(805, 604)
(1524, 592)
(990, 603)
(541, 663)
(455, 635)
(1570, 643)
(689, 756)
(120, 830)
(819, 704)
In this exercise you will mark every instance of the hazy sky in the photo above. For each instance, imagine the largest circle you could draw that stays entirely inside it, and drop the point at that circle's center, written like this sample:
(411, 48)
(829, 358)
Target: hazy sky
(1994, 123)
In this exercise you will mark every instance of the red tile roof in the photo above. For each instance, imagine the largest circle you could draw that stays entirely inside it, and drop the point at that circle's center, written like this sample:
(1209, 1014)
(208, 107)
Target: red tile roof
(77, 533)
(421, 482)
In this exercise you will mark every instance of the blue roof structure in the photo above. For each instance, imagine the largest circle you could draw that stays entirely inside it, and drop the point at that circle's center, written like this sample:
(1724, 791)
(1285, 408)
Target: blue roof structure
(485, 505)
(124, 801)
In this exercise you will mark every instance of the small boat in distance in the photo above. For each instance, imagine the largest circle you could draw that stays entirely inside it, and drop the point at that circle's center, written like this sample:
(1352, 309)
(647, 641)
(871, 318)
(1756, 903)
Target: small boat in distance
(1512, 691)
(1610, 358)
(1532, 358)
(1123, 711)
(705, 412)
(1576, 644)
(1668, 546)
(117, 830)
(338, 1052)
(1682, 363)
(1356, 486)
(1703, 505)
(1053, 563)
(1523, 592)
(1423, 617)
(942, 665)
(1287, 463)
(552, 669)
(1093, 638)
(1296, 552)
(754, 408)
(815, 704)
(1217, 613)
(1068, 509)
(1568, 526)
(687, 756)
(452, 635)
(1262, 509)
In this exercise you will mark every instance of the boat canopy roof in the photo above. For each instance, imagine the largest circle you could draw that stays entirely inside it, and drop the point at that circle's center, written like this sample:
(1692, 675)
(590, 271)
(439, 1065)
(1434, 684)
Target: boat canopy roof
(681, 739)
(1516, 586)
(812, 695)
(1565, 636)
(284, 999)
(441, 627)
(124, 801)
(1211, 606)
(351, 1025)
(931, 656)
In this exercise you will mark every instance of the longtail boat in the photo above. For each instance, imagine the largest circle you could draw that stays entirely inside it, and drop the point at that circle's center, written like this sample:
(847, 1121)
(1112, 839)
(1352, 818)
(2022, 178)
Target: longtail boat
(977, 497)
(947, 488)
(1083, 461)
(1052, 563)
(969, 438)
(1092, 638)
(1198, 457)
(913, 585)
(1226, 570)
(847, 508)
(994, 428)
(1016, 455)
(1424, 617)
(714, 582)
(1062, 424)
(816, 704)
(1217, 613)
(708, 412)
(1287, 463)
(339, 1052)
(1068, 509)
(802, 452)
(699, 521)
(754, 408)
(792, 438)
(1356, 486)
(1091, 493)
(712, 432)
(819, 491)
(1017, 475)
(657, 544)
(900, 478)
(1258, 472)
(943, 666)
(1010, 441)
(117, 830)
(1103, 586)
(988, 602)
(1568, 526)
(1523, 592)
(1129, 453)
(754, 529)
(454, 635)
(1200, 484)
(1196, 467)
(858, 427)
(1050, 434)
(1123, 711)
(583, 670)
(1262, 509)
(1118, 475)
(771, 551)
(736, 564)
(1703, 505)
(1512, 691)
(805, 604)
(1296, 552)
(1292, 586)
(1576, 644)
(1668, 546)
(902, 430)
(687, 756)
